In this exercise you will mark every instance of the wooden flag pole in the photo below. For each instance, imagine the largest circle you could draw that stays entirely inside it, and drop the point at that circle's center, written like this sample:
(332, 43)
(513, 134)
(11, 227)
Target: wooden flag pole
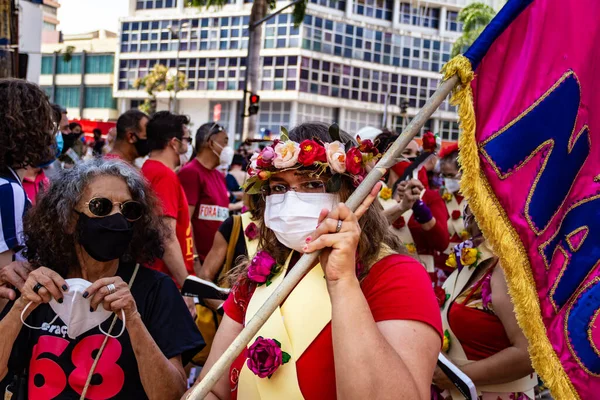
(199, 391)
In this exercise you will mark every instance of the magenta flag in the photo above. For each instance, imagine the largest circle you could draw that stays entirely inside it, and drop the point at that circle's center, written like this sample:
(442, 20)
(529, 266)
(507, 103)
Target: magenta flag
(531, 161)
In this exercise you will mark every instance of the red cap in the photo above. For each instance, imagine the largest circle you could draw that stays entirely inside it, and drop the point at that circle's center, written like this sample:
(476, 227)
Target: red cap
(446, 151)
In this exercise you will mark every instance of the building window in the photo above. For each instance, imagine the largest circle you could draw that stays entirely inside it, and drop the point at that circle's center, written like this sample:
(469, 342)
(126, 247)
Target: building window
(99, 64)
(424, 16)
(279, 73)
(335, 4)
(380, 9)
(274, 115)
(224, 33)
(47, 26)
(152, 4)
(223, 73)
(47, 65)
(99, 97)
(355, 120)
(351, 41)
(47, 90)
(366, 85)
(280, 32)
(449, 130)
(399, 123)
(67, 97)
(452, 23)
(72, 66)
(225, 113)
(313, 113)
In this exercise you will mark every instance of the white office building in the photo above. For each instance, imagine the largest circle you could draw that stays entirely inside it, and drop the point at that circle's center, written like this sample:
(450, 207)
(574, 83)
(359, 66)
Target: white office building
(340, 64)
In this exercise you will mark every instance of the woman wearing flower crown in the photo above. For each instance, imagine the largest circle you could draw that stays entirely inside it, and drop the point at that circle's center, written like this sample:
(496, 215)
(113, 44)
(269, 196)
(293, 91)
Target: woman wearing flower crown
(364, 323)
(417, 213)
(481, 334)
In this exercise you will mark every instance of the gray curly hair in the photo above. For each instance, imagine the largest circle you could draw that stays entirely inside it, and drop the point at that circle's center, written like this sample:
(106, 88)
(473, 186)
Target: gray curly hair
(49, 227)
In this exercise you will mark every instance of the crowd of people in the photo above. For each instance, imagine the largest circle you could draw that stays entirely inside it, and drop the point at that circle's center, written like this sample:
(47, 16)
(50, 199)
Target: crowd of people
(97, 242)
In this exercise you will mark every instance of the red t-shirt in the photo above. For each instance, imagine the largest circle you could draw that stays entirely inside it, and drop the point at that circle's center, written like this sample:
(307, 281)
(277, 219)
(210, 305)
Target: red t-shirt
(206, 191)
(35, 186)
(174, 203)
(396, 288)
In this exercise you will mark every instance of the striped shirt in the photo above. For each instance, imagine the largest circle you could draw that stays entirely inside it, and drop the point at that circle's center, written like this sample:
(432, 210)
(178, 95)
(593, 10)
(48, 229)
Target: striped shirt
(13, 205)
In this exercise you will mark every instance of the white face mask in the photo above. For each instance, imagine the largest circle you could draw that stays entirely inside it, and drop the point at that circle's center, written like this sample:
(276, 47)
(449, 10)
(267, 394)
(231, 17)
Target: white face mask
(453, 185)
(226, 156)
(187, 156)
(294, 216)
(75, 311)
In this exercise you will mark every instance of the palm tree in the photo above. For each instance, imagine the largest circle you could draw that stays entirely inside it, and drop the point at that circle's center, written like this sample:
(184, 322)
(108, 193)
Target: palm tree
(475, 18)
(258, 12)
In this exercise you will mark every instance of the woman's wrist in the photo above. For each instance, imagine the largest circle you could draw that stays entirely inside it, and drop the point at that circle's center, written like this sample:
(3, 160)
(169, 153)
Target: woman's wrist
(341, 285)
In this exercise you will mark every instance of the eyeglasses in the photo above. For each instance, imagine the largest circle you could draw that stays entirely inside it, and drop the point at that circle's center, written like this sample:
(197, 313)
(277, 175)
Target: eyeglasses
(313, 186)
(187, 139)
(102, 207)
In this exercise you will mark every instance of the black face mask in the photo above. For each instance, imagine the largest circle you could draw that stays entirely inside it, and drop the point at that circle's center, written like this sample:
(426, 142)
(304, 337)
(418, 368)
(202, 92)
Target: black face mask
(69, 141)
(141, 146)
(411, 159)
(105, 238)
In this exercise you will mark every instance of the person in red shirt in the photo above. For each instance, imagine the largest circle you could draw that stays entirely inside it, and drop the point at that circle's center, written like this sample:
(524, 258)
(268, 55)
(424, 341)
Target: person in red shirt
(204, 186)
(34, 182)
(362, 324)
(131, 141)
(168, 137)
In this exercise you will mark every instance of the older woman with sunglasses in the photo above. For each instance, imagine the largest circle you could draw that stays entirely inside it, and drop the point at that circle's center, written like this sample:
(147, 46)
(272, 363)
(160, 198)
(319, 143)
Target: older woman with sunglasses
(364, 322)
(87, 299)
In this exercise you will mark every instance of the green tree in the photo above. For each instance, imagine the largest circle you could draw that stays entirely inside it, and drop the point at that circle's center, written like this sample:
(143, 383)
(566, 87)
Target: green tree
(260, 9)
(158, 80)
(475, 18)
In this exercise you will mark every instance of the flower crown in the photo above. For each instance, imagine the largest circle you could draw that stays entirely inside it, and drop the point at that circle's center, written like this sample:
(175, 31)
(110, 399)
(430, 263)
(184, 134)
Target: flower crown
(337, 158)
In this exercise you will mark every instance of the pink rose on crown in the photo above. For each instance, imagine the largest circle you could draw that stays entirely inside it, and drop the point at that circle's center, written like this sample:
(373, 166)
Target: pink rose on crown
(265, 357)
(262, 268)
(286, 154)
(336, 156)
(265, 157)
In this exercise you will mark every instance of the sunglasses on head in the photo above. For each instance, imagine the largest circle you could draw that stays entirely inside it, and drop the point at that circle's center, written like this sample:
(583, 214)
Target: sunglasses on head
(102, 207)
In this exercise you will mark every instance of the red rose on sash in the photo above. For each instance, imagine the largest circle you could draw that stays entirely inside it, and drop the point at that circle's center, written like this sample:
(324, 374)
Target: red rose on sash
(456, 214)
(311, 152)
(265, 357)
(251, 231)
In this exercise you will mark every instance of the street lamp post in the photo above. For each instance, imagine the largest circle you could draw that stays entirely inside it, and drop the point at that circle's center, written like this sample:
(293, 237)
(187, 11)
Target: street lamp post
(176, 33)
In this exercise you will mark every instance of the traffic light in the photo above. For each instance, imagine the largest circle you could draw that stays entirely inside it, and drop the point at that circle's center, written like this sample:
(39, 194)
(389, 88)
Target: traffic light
(253, 108)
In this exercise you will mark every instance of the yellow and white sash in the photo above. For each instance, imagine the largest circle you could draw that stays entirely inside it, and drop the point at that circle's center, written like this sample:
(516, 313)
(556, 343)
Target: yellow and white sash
(455, 226)
(251, 245)
(455, 284)
(295, 325)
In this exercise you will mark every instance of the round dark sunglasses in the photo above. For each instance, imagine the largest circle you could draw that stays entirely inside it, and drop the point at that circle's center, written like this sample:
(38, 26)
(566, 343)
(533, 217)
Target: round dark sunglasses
(102, 207)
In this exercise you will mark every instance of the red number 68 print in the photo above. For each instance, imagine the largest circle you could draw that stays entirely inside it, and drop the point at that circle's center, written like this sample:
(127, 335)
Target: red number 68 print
(54, 378)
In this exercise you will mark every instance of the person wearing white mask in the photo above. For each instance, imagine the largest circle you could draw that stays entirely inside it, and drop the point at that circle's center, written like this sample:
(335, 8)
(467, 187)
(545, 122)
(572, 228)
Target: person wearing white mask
(363, 304)
(204, 186)
(450, 192)
(85, 239)
(168, 139)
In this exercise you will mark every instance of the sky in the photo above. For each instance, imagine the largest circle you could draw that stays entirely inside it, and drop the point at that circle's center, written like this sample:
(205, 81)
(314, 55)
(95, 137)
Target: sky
(80, 16)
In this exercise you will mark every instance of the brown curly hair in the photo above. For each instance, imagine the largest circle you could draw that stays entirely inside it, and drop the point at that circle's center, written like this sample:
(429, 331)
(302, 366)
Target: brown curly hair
(27, 125)
(375, 228)
(49, 227)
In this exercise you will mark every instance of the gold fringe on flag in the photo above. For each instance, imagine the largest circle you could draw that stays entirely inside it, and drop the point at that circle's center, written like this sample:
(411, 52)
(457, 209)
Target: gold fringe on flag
(504, 239)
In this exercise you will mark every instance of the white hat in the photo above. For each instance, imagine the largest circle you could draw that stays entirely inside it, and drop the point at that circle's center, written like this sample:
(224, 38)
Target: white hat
(368, 132)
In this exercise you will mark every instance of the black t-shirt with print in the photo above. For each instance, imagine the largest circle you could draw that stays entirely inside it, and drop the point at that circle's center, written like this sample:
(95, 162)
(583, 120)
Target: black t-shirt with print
(59, 366)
